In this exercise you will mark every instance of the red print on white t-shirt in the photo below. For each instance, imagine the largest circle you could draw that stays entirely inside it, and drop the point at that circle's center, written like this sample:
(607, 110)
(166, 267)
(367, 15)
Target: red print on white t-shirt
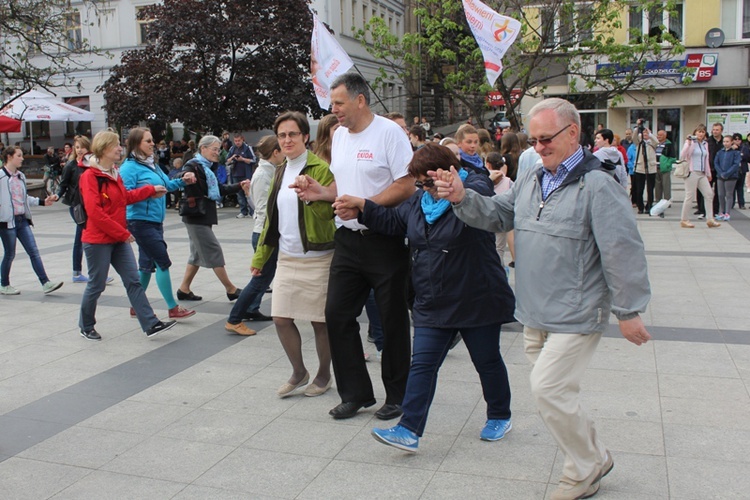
(365, 155)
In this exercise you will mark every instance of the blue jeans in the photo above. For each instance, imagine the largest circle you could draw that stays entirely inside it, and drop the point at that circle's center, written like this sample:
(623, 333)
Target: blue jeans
(22, 232)
(120, 256)
(252, 294)
(376, 325)
(245, 208)
(430, 348)
(152, 249)
(77, 247)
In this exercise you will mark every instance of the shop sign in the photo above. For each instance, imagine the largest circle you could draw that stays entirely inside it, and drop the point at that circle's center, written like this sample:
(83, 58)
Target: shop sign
(703, 66)
(495, 98)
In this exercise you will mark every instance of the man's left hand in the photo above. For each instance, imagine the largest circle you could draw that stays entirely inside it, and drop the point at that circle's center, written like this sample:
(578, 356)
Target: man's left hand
(634, 330)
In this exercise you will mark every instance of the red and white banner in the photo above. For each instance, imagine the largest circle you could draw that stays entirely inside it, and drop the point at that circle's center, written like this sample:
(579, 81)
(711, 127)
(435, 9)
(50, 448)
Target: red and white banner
(327, 61)
(494, 34)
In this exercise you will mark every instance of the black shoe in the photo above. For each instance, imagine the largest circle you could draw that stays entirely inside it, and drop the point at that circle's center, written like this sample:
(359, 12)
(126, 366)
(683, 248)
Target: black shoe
(640, 212)
(161, 326)
(187, 296)
(348, 410)
(256, 316)
(512, 264)
(269, 290)
(235, 295)
(90, 335)
(388, 411)
(455, 341)
(370, 338)
(697, 212)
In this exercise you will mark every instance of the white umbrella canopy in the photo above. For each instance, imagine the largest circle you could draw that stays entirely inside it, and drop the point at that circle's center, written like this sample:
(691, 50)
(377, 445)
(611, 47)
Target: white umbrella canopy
(35, 106)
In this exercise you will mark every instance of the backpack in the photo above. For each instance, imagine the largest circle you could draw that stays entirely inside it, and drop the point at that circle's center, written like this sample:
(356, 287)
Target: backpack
(79, 211)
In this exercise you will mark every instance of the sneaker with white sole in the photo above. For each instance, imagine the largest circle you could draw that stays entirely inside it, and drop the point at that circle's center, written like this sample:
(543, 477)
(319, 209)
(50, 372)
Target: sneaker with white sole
(51, 286)
(9, 290)
(398, 437)
(495, 429)
(161, 326)
(80, 278)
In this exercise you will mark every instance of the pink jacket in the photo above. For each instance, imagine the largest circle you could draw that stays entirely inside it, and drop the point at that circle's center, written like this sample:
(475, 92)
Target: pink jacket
(687, 155)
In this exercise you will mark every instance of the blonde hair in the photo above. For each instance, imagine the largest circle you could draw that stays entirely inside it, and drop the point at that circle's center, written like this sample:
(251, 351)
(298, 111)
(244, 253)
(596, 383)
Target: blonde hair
(464, 130)
(103, 141)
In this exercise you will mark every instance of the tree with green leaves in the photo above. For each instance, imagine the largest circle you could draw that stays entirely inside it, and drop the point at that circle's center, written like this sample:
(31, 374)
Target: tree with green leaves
(233, 65)
(41, 44)
(560, 41)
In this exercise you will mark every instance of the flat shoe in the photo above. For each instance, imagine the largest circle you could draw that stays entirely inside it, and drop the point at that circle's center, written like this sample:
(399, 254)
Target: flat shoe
(349, 409)
(314, 389)
(389, 411)
(234, 295)
(287, 389)
(187, 296)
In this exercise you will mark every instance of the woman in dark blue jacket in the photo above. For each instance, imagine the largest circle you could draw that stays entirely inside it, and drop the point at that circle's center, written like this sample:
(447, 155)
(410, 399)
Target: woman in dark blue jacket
(460, 287)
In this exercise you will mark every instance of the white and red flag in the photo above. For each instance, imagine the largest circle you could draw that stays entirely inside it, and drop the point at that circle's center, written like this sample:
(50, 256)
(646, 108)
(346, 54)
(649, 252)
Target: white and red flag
(494, 34)
(327, 61)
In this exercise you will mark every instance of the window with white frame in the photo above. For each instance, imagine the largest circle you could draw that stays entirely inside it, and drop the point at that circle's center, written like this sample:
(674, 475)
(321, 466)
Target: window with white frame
(73, 30)
(654, 22)
(142, 26)
(568, 25)
(735, 19)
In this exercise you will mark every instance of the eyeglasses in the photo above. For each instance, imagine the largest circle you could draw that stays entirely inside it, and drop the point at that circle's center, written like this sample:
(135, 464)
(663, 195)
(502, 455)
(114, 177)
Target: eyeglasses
(548, 140)
(291, 135)
(214, 149)
(428, 183)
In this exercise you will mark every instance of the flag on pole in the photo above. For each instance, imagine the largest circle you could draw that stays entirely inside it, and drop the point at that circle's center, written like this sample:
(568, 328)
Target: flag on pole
(327, 61)
(494, 34)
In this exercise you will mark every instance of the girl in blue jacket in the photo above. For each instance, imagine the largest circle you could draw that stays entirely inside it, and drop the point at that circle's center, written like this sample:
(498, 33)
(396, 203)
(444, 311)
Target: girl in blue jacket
(727, 164)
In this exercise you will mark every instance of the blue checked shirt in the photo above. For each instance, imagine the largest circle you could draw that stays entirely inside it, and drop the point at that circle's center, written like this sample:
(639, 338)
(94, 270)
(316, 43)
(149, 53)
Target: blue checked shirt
(551, 182)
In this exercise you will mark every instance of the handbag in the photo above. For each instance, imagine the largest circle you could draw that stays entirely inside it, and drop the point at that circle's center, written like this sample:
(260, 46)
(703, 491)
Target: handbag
(682, 169)
(193, 206)
(79, 214)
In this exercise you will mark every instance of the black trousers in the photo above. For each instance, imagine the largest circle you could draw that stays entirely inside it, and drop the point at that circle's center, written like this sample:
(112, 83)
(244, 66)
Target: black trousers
(648, 181)
(361, 262)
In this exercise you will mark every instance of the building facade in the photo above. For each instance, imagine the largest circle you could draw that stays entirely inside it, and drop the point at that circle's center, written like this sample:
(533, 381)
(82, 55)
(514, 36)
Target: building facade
(113, 26)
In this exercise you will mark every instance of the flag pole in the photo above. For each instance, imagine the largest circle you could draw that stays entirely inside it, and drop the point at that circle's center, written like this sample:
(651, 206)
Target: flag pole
(371, 89)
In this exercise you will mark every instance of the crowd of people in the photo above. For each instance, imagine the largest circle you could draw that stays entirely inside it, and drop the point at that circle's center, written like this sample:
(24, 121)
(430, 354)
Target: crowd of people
(407, 224)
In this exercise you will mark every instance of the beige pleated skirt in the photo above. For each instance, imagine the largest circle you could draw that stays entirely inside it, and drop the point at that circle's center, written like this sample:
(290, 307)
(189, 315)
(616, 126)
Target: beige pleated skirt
(300, 287)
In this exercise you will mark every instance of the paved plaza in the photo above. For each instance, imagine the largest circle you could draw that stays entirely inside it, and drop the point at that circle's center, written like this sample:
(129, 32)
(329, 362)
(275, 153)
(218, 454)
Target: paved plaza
(193, 413)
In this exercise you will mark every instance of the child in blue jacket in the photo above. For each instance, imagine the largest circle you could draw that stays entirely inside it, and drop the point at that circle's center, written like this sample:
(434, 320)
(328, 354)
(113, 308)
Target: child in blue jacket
(727, 164)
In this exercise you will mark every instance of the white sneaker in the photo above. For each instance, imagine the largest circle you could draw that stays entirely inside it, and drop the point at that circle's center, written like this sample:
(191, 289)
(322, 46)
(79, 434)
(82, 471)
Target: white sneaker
(51, 286)
(9, 290)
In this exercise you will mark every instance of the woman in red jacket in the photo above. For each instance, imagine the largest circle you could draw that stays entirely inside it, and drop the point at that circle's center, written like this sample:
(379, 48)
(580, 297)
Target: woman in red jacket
(106, 238)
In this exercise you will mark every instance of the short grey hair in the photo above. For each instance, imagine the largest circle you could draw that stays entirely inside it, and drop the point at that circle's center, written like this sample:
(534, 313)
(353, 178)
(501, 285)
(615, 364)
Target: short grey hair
(355, 84)
(564, 110)
(207, 140)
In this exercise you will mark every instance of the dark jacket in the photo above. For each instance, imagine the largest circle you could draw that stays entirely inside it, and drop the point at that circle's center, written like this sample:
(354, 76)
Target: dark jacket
(199, 189)
(727, 164)
(457, 275)
(68, 189)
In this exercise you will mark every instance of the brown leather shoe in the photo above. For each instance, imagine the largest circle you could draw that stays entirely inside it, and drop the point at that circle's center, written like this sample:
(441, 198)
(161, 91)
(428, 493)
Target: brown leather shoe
(179, 312)
(687, 224)
(239, 329)
(712, 223)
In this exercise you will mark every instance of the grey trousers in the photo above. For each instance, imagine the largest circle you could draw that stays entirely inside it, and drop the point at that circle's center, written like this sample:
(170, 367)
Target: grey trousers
(726, 194)
(121, 256)
(663, 186)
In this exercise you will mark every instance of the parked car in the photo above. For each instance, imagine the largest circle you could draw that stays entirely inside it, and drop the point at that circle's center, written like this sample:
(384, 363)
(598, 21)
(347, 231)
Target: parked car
(499, 120)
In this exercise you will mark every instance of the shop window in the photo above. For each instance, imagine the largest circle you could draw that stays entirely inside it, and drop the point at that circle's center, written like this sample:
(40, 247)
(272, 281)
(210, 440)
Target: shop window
(735, 19)
(78, 128)
(654, 22)
(728, 97)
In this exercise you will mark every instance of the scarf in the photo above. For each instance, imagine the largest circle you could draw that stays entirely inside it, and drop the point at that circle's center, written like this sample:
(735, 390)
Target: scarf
(433, 209)
(474, 160)
(211, 181)
(146, 160)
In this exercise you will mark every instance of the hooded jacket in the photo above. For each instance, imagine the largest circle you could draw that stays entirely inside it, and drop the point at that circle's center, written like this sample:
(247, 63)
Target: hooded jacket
(105, 208)
(579, 255)
(613, 156)
(6, 201)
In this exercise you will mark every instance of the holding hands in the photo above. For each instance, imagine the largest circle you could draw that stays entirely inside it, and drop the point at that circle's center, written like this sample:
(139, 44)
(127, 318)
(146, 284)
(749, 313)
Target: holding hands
(189, 178)
(449, 185)
(160, 191)
(348, 207)
(245, 185)
(307, 188)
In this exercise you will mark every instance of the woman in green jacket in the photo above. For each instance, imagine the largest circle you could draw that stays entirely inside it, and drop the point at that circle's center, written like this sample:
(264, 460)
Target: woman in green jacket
(302, 233)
